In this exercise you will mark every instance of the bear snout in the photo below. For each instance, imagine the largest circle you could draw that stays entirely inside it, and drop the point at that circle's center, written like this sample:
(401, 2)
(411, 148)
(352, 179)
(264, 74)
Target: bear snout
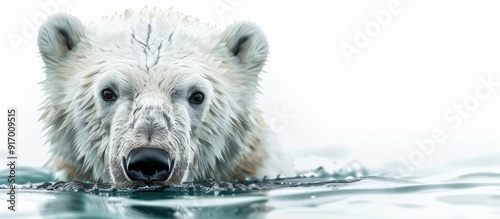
(148, 165)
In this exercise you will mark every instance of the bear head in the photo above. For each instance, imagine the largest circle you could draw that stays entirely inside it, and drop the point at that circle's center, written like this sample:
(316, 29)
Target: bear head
(150, 97)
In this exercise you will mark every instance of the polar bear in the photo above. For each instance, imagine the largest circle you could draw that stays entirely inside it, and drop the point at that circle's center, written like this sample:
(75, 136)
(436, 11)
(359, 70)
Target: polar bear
(155, 98)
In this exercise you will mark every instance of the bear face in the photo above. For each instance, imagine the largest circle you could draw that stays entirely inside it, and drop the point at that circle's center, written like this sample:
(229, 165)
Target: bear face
(152, 98)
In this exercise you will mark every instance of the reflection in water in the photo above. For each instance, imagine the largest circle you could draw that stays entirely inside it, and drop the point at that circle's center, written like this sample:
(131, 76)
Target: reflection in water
(155, 203)
(205, 208)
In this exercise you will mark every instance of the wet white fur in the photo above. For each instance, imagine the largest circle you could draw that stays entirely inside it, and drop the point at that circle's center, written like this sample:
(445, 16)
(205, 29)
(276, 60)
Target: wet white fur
(86, 134)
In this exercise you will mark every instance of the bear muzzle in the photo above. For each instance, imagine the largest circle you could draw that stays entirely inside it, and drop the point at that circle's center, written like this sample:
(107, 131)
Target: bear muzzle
(148, 165)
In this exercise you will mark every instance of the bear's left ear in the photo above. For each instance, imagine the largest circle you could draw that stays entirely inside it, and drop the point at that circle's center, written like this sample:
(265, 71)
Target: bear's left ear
(246, 41)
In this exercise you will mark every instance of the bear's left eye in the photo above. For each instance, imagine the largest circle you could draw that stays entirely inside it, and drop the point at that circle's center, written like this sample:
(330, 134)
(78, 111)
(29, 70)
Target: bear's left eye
(196, 98)
(108, 95)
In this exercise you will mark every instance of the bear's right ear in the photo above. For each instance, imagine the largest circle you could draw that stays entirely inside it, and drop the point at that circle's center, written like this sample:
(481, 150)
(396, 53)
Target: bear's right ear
(248, 43)
(58, 35)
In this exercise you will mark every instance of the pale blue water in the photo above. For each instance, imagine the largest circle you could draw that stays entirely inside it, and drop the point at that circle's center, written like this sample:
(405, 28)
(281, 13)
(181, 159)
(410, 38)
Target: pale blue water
(467, 188)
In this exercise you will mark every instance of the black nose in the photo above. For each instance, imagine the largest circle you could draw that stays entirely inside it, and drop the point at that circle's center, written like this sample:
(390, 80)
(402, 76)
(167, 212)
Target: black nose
(148, 164)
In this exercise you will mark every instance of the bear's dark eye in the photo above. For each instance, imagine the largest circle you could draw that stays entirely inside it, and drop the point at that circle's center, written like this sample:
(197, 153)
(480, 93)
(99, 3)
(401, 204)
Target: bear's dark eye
(196, 98)
(108, 95)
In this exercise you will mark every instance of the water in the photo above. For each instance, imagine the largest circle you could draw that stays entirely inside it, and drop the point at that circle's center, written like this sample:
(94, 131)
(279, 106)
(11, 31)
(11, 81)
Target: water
(468, 188)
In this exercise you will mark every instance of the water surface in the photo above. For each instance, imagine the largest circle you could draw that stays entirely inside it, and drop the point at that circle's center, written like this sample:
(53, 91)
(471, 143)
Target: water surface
(453, 190)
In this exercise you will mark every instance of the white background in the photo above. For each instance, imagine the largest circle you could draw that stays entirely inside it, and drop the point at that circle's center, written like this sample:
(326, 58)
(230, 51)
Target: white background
(394, 91)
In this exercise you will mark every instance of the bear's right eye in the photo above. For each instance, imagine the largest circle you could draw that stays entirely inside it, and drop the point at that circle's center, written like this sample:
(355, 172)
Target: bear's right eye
(108, 95)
